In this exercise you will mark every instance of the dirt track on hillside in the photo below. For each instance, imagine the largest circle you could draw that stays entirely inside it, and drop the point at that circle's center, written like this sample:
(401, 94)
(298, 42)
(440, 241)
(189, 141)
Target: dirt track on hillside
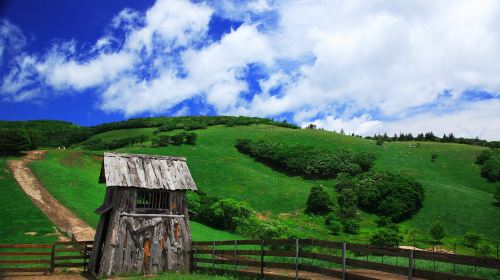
(61, 216)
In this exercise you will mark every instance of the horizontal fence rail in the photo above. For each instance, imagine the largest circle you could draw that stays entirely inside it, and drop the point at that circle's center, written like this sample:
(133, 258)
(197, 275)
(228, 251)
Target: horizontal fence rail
(15, 258)
(297, 258)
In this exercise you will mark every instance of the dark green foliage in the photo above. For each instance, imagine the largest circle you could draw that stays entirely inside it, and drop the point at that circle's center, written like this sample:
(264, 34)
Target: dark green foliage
(434, 157)
(318, 202)
(191, 138)
(472, 239)
(484, 250)
(226, 213)
(437, 232)
(344, 181)
(256, 228)
(386, 237)
(188, 123)
(380, 142)
(307, 161)
(490, 161)
(491, 169)
(99, 145)
(12, 141)
(364, 160)
(333, 224)
(161, 141)
(351, 226)
(347, 201)
(177, 139)
(497, 196)
(394, 196)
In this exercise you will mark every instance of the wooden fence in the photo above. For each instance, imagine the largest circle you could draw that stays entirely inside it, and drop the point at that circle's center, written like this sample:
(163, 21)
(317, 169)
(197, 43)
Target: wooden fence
(292, 259)
(46, 258)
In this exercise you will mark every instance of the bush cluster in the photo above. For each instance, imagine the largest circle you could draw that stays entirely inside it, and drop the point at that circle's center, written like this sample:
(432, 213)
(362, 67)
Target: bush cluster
(99, 145)
(490, 164)
(306, 161)
(390, 195)
(318, 201)
(231, 215)
(176, 139)
(429, 136)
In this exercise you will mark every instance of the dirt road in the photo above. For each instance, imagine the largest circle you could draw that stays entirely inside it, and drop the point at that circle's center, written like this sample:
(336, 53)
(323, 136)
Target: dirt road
(63, 218)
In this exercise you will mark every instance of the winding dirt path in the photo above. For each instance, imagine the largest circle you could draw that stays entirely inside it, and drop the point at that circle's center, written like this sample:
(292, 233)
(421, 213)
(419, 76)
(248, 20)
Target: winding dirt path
(61, 216)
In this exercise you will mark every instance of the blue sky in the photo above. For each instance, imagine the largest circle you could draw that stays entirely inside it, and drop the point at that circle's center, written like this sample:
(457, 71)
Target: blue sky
(365, 68)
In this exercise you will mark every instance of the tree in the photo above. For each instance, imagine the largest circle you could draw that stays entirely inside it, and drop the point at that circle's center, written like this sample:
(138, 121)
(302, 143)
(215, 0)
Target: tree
(472, 239)
(347, 204)
(491, 169)
(191, 138)
(434, 157)
(226, 213)
(437, 231)
(318, 201)
(12, 141)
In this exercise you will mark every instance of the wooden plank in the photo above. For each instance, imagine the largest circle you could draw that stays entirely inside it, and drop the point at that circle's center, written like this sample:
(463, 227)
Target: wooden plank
(72, 249)
(88, 242)
(25, 269)
(433, 275)
(321, 257)
(25, 253)
(276, 253)
(320, 270)
(321, 243)
(458, 259)
(74, 257)
(378, 266)
(229, 252)
(3, 246)
(71, 264)
(37, 261)
(361, 248)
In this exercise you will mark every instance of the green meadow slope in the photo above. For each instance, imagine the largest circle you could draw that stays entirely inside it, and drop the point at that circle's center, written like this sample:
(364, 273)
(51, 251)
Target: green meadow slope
(22, 221)
(456, 194)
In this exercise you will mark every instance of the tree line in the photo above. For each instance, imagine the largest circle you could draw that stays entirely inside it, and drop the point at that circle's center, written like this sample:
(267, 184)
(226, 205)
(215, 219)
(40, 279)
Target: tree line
(429, 136)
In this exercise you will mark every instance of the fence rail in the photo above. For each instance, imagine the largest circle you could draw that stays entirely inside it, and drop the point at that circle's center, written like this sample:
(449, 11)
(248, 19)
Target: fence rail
(44, 257)
(258, 258)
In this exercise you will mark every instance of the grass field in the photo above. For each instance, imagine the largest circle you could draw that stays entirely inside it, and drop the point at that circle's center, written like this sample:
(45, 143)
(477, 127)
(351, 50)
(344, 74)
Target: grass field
(72, 178)
(455, 192)
(22, 221)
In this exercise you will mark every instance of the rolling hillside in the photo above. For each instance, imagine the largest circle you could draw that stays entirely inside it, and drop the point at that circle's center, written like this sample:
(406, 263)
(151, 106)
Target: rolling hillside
(455, 192)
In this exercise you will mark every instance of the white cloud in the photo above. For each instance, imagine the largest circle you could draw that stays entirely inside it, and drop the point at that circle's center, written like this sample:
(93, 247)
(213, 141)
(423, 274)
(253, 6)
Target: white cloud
(11, 38)
(339, 59)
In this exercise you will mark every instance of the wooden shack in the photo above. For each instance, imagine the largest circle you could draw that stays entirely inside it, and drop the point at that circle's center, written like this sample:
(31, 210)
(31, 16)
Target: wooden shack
(144, 224)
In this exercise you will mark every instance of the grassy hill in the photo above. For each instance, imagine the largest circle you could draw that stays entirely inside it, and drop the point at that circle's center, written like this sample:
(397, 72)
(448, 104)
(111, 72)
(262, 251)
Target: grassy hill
(22, 221)
(455, 193)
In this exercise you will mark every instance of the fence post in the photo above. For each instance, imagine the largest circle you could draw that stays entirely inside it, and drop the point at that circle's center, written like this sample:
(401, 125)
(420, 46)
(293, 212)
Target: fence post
(262, 259)
(410, 266)
(343, 260)
(235, 256)
(213, 256)
(52, 258)
(297, 259)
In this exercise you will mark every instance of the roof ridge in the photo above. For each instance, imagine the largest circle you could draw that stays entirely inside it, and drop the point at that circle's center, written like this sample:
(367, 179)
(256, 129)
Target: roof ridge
(129, 155)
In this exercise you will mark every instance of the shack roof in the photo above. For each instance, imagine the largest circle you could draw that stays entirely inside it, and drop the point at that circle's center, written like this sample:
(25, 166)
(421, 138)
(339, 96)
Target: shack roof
(146, 171)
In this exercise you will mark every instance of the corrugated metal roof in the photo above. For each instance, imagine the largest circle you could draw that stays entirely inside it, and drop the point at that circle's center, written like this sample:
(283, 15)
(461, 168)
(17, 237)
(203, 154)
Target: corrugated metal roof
(146, 171)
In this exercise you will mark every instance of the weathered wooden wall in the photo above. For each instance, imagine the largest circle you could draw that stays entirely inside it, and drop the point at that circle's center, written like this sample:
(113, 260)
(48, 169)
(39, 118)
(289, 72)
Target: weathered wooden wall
(148, 243)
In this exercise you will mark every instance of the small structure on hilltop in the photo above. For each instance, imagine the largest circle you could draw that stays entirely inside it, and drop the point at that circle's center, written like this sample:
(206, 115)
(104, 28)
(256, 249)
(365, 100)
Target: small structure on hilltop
(144, 224)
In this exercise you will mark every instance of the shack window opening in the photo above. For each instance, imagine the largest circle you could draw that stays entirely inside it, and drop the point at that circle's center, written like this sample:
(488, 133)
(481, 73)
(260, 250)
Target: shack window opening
(151, 200)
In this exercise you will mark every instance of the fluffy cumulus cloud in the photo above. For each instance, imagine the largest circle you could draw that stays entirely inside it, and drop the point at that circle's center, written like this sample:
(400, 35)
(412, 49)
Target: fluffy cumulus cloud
(365, 67)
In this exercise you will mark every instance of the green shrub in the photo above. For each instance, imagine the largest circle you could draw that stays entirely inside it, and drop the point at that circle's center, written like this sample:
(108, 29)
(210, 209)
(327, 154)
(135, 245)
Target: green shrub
(191, 138)
(491, 169)
(434, 157)
(484, 250)
(347, 204)
(437, 232)
(333, 224)
(227, 213)
(386, 237)
(344, 181)
(472, 239)
(394, 196)
(351, 226)
(318, 201)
